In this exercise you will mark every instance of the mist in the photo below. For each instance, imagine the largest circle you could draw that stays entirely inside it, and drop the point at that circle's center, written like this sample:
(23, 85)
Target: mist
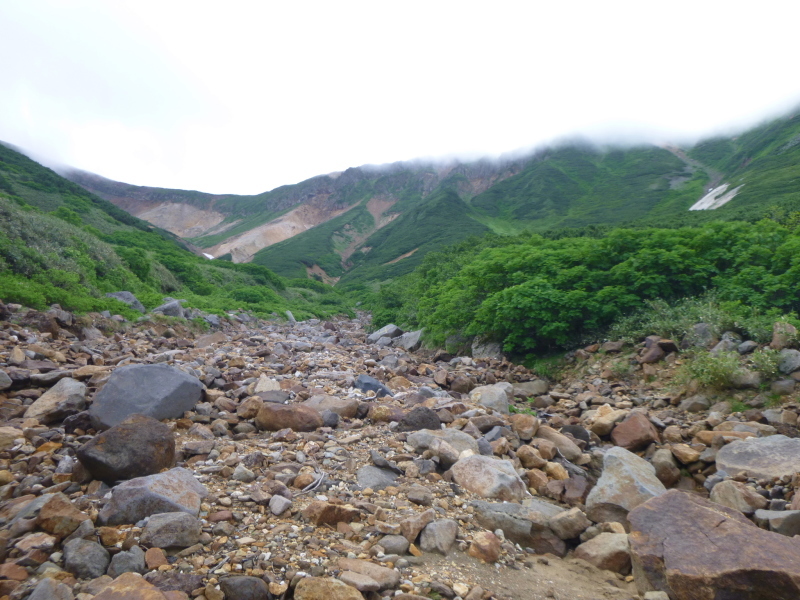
(254, 96)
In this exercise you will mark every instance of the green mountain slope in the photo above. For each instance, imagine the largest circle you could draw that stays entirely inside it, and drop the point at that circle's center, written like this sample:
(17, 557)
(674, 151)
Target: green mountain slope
(61, 244)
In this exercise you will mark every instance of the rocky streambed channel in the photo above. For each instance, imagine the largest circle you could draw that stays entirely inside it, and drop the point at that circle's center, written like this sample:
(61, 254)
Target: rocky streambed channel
(262, 460)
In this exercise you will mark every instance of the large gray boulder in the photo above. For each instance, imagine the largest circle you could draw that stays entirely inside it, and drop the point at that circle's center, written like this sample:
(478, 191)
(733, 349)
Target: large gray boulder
(526, 525)
(157, 391)
(175, 490)
(65, 398)
(390, 331)
(409, 341)
(495, 397)
(85, 559)
(129, 299)
(171, 308)
(762, 458)
(172, 530)
(137, 447)
(626, 482)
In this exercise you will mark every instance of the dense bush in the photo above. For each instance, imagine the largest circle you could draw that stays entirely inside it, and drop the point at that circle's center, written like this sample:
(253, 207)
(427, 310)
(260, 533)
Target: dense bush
(535, 294)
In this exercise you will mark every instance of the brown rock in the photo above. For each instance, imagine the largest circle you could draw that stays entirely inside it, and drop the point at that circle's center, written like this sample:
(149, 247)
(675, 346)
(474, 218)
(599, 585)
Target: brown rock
(411, 526)
(59, 516)
(249, 408)
(485, 546)
(13, 571)
(608, 551)
(524, 425)
(530, 457)
(273, 417)
(652, 355)
(385, 577)
(670, 540)
(685, 453)
(782, 334)
(634, 433)
(324, 588)
(324, 513)
(130, 586)
(462, 385)
(155, 557)
(566, 446)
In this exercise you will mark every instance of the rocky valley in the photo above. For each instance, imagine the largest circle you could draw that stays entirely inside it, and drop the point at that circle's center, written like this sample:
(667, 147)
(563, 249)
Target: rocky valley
(260, 459)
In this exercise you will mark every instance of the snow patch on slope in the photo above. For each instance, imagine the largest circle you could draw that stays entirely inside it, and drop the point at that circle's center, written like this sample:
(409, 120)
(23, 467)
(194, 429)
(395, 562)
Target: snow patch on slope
(717, 197)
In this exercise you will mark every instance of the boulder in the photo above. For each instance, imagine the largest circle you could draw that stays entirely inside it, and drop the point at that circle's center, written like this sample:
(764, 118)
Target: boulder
(485, 546)
(158, 391)
(789, 361)
(524, 425)
(137, 447)
(409, 341)
(491, 396)
(390, 331)
(129, 299)
(9, 434)
(298, 417)
(344, 407)
(419, 417)
(634, 433)
(50, 589)
(785, 522)
(314, 588)
(59, 516)
(375, 477)
(460, 441)
(172, 308)
(530, 389)
(85, 559)
(693, 549)
(608, 551)
(566, 446)
(387, 578)
(242, 587)
(175, 490)
(131, 561)
(5, 381)
(738, 496)
(569, 524)
(65, 398)
(365, 383)
(761, 458)
(626, 482)
(130, 586)
(527, 525)
(489, 478)
(487, 349)
(174, 529)
(439, 536)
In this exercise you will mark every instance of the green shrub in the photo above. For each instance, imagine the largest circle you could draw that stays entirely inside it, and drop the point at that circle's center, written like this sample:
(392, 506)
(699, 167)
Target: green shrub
(709, 370)
(766, 361)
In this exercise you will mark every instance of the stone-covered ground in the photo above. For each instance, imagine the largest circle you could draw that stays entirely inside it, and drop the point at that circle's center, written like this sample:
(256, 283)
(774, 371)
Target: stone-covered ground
(308, 460)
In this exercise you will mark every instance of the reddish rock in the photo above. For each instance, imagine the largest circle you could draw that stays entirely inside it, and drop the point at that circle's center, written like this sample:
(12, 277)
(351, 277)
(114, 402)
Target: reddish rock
(130, 586)
(324, 513)
(485, 546)
(694, 549)
(634, 433)
(607, 551)
(273, 417)
(652, 355)
(60, 517)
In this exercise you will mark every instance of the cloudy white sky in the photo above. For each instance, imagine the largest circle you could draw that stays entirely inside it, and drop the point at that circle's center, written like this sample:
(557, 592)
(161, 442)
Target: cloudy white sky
(244, 96)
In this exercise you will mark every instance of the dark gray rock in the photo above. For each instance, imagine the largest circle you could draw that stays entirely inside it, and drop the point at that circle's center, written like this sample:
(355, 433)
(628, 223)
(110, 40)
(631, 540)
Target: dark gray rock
(168, 581)
(157, 391)
(409, 341)
(171, 530)
(129, 299)
(137, 447)
(241, 587)
(85, 559)
(175, 490)
(420, 417)
(375, 477)
(365, 383)
(329, 419)
(131, 561)
(747, 347)
(50, 589)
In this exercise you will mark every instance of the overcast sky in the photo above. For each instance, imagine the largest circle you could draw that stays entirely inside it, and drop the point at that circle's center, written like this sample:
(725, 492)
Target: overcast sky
(245, 96)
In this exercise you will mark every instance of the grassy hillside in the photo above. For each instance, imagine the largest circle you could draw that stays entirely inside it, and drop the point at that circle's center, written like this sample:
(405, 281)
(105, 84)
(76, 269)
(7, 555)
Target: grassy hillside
(61, 244)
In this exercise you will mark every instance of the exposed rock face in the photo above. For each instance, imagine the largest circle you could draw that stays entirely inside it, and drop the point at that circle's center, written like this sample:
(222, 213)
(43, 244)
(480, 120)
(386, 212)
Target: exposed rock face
(137, 447)
(157, 391)
(670, 540)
